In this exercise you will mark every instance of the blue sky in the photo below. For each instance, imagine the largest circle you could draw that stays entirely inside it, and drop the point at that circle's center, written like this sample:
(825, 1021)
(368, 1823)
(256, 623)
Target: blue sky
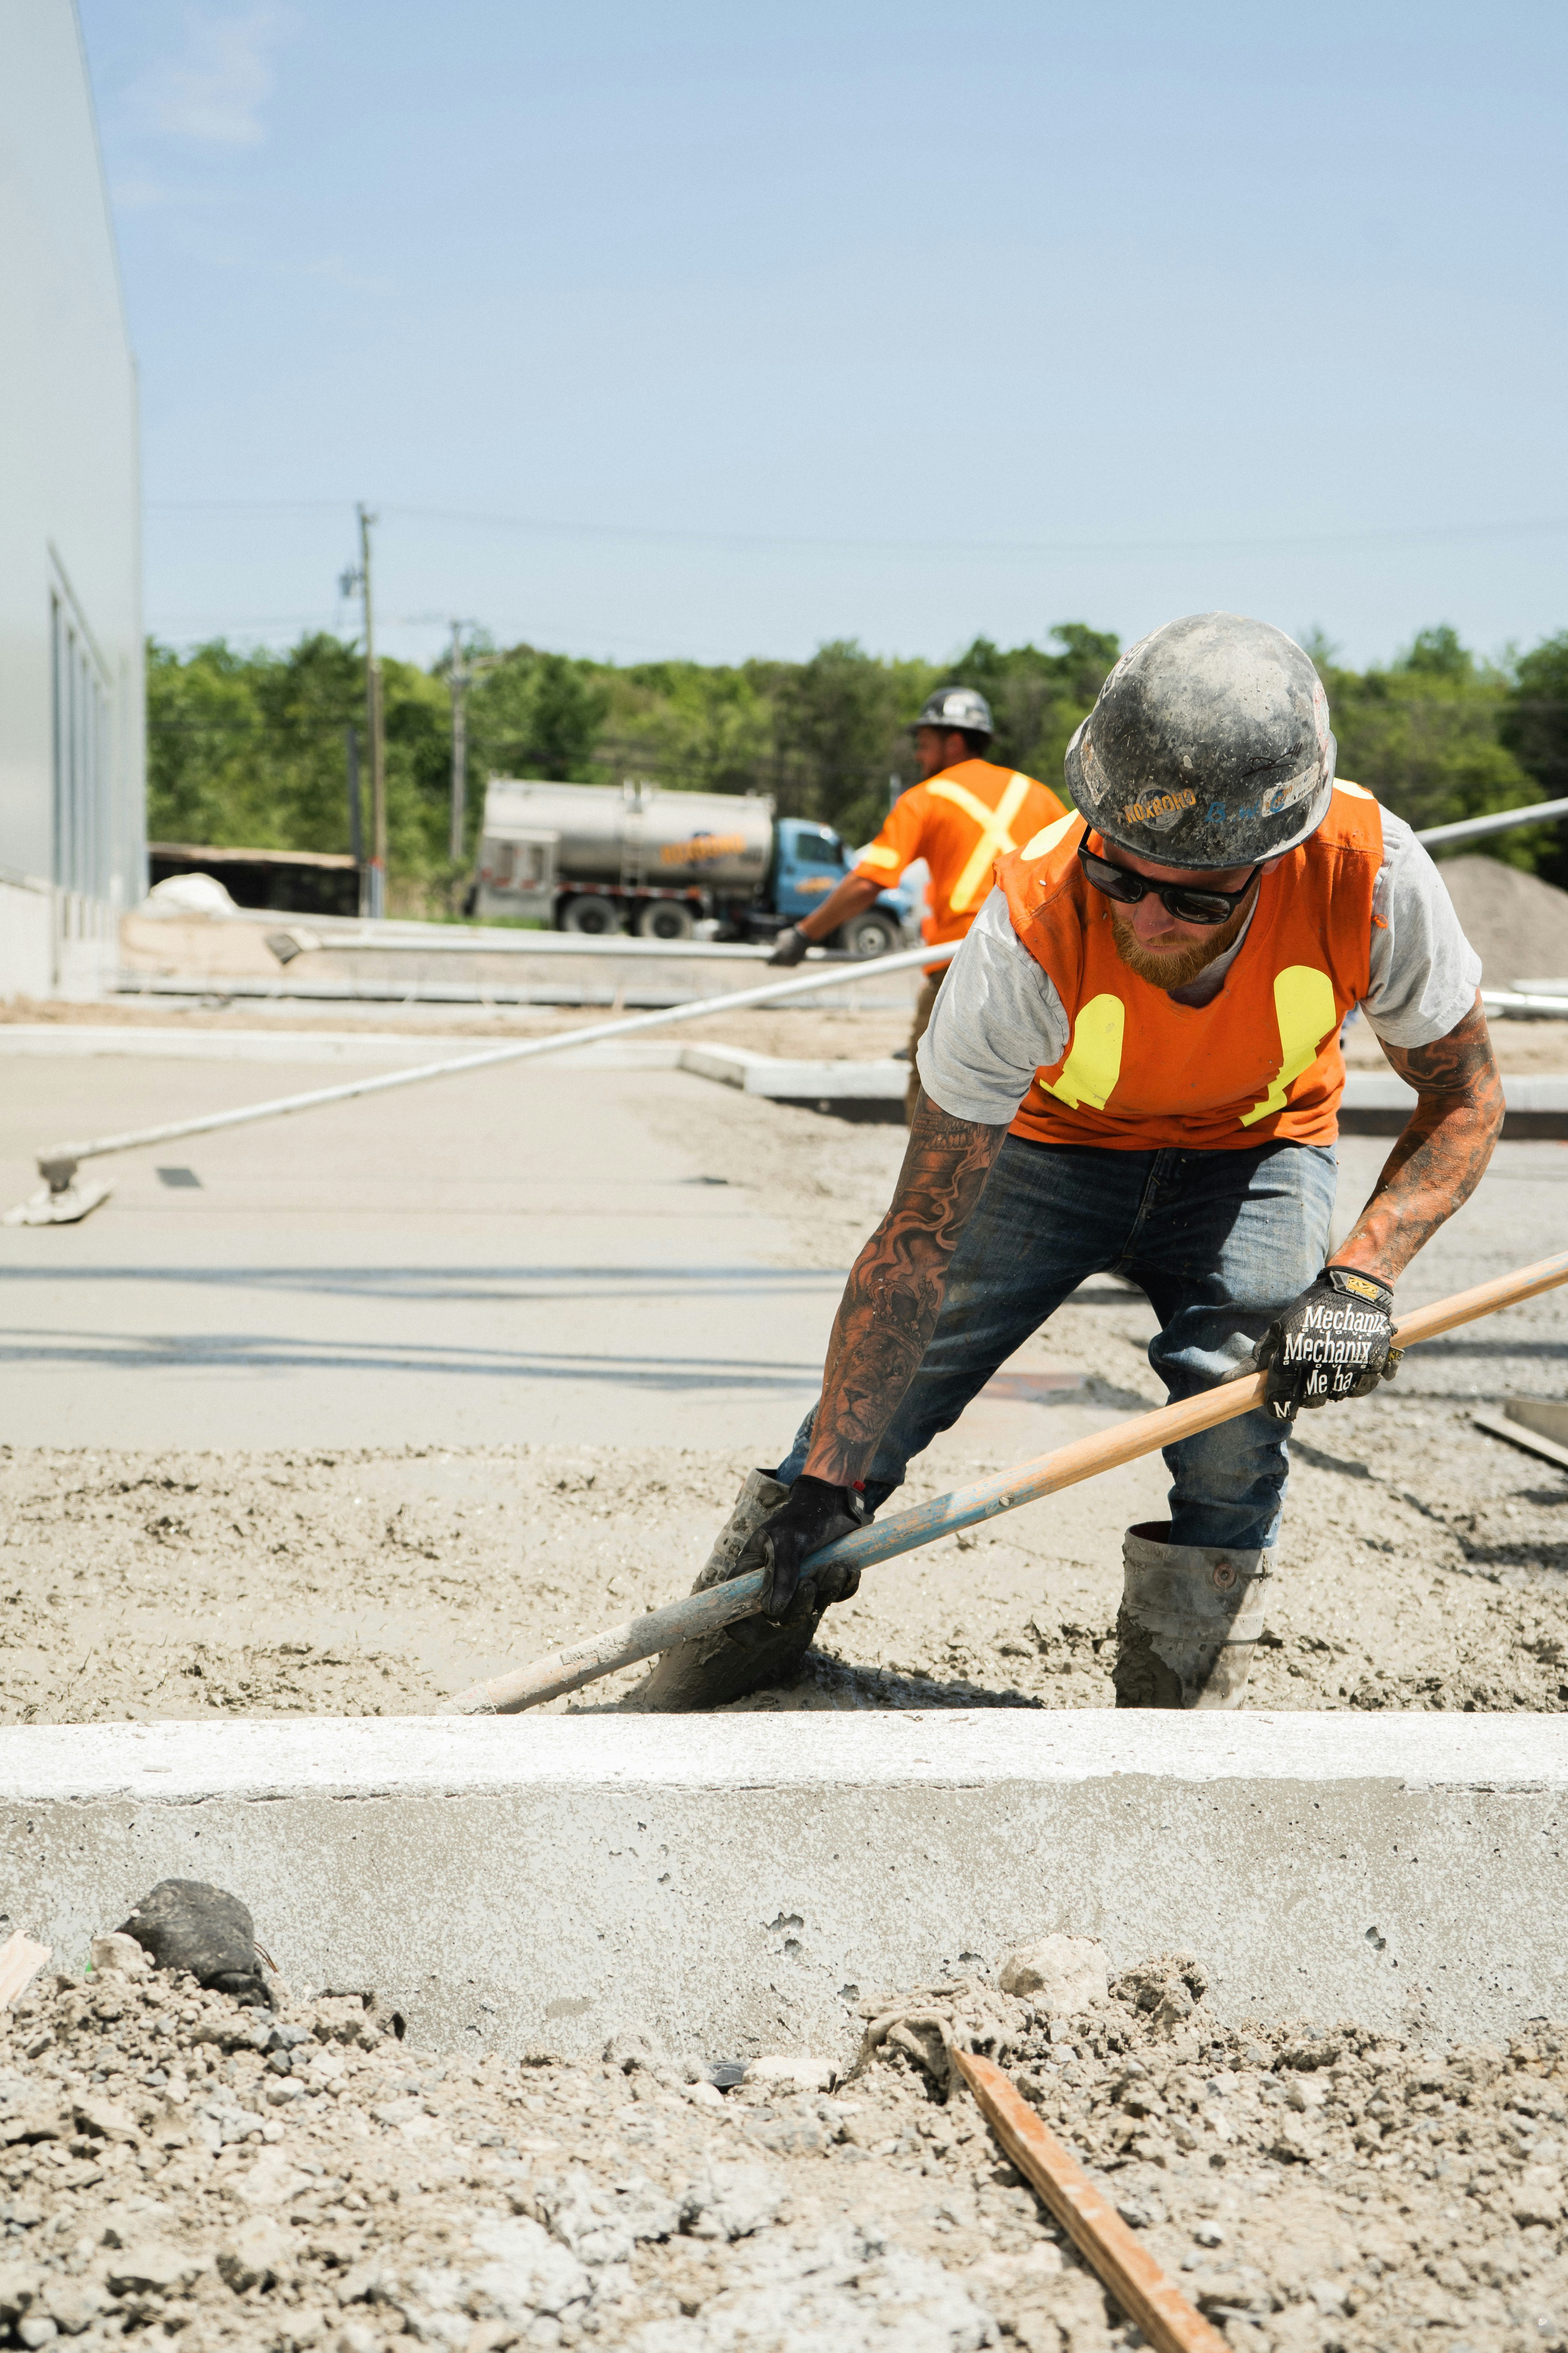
(722, 331)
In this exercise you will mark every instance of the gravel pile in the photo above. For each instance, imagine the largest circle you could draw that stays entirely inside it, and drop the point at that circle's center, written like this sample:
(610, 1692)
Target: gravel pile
(176, 2165)
(1516, 924)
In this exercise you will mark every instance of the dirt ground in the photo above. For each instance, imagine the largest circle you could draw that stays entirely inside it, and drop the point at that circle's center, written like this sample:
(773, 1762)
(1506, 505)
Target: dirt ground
(1421, 1561)
(177, 2166)
(1318, 2188)
(1426, 1570)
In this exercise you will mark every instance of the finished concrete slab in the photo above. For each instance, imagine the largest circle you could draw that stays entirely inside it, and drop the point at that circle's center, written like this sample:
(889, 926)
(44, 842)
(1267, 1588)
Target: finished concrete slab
(738, 1884)
(526, 1255)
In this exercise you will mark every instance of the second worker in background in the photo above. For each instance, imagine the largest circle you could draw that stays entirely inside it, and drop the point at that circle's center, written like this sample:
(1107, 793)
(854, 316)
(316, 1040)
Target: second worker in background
(964, 814)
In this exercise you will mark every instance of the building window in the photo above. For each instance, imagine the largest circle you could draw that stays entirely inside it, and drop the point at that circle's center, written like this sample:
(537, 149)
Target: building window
(83, 845)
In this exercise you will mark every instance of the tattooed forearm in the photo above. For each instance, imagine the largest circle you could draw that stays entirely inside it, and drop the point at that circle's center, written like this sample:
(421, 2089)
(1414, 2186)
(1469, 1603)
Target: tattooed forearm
(1442, 1156)
(890, 1301)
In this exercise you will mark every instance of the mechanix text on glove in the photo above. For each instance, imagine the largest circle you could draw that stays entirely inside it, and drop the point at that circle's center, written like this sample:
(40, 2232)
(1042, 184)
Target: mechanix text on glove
(1333, 1342)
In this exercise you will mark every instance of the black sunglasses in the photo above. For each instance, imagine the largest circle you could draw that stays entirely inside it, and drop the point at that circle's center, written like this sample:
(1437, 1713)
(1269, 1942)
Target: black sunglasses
(1187, 904)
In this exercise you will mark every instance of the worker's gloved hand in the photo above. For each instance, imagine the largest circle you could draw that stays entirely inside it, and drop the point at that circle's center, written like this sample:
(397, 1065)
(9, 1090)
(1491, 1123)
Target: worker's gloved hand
(1331, 1343)
(814, 1515)
(790, 946)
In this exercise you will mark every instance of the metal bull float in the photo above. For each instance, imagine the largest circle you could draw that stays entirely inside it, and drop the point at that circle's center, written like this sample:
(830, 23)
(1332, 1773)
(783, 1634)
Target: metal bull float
(62, 1201)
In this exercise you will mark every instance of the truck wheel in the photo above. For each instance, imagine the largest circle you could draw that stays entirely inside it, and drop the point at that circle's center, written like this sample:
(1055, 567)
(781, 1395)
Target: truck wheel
(594, 915)
(868, 935)
(664, 919)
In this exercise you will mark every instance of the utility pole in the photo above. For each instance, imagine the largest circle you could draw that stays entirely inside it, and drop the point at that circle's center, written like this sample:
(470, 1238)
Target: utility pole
(376, 719)
(356, 823)
(375, 873)
(465, 669)
(457, 679)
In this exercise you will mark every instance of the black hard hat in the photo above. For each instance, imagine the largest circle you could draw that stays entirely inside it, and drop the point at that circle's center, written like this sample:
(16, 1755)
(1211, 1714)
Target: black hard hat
(1208, 745)
(958, 706)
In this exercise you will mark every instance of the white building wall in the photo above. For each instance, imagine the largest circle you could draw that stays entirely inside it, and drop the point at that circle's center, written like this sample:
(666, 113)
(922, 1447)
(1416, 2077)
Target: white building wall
(72, 702)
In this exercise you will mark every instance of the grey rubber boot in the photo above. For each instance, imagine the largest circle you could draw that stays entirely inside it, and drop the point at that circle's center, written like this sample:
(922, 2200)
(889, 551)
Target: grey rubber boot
(1189, 1621)
(739, 1659)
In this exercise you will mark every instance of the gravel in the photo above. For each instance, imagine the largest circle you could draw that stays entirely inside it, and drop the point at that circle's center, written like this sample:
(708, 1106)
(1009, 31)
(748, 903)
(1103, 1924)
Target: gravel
(1516, 924)
(176, 2166)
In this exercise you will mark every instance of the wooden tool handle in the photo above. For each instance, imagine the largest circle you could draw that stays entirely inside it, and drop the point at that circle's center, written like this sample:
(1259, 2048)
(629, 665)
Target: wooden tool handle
(1506, 1291)
(1086, 1458)
(1146, 2294)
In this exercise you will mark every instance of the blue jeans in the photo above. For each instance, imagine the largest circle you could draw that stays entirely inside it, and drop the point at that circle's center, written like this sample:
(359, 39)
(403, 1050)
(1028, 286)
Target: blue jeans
(1219, 1241)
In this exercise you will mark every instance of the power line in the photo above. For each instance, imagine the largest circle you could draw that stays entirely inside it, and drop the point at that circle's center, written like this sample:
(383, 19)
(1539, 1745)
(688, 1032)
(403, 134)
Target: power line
(748, 541)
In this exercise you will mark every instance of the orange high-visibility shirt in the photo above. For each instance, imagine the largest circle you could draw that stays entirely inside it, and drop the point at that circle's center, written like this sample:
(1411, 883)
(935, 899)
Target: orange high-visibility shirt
(959, 823)
(1261, 1060)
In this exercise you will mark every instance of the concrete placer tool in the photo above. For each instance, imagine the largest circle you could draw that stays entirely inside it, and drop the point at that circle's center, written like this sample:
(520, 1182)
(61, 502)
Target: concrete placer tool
(704, 1613)
(61, 1201)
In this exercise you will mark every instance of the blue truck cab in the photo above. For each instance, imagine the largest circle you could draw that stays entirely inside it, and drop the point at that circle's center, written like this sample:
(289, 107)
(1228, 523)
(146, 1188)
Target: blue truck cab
(810, 860)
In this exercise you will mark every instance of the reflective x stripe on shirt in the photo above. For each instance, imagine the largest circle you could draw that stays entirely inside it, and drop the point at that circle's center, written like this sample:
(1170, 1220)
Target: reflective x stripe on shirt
(995, 835)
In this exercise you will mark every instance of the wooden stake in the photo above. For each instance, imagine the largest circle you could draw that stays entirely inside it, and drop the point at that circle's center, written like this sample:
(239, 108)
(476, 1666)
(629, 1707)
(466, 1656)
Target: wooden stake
(721, 1605)
(1146, 2294)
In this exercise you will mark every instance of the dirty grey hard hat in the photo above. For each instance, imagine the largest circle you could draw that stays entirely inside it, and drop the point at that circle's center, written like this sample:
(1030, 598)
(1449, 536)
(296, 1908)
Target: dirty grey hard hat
(1208, 745)
(958, 706)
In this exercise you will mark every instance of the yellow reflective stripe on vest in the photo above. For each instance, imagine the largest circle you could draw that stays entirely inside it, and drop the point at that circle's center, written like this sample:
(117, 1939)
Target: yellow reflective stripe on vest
(996, 834)
(1048, 836)
(1305, 1009)
(1094, 1065)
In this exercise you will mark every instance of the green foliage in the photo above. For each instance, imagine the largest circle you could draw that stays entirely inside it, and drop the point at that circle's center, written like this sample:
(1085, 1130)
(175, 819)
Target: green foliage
(1424, 735)
(249, 751)
(248, 748)
(839, 730)
(1535, 727)
(708, 730)
(537, 714)
(1038, 699)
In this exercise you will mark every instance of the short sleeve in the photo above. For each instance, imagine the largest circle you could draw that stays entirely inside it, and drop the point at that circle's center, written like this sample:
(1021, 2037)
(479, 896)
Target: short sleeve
(997, 1020)
(884, 860)
(1424, 971)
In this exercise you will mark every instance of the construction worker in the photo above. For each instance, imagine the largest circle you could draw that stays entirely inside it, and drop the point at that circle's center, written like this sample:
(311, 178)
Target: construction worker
(1135, 1068)
(965, 813)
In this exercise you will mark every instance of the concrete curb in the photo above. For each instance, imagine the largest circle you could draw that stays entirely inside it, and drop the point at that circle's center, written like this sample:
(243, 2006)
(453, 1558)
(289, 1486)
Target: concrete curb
(1377, 1103)
(783, 1080)
(740, 1882)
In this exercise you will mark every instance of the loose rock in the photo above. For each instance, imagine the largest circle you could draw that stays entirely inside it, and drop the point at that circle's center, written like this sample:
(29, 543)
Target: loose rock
(1058, 1975)
(1311, 2188)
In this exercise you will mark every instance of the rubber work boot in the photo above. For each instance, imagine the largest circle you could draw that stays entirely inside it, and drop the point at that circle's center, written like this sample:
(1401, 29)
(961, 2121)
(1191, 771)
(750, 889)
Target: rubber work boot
(742, 1658)
(1189, 1621)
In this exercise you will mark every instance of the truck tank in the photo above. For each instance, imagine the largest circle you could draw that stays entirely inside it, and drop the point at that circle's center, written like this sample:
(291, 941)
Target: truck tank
(636, 835)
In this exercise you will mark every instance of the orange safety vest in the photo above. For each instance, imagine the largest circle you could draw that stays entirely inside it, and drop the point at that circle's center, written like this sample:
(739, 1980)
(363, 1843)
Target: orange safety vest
(959, 823)
(1261, 1061)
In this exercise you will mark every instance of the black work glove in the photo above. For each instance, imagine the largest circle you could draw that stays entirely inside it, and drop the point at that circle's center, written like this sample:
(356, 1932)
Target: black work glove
(812, 1514)
(790, 946)
(1331, 1343)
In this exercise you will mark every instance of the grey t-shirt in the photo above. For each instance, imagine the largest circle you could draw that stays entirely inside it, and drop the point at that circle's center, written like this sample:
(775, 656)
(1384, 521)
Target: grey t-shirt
(999, 1018)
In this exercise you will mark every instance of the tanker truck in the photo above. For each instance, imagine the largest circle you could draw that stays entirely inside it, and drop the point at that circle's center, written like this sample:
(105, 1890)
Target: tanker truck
(636, 856)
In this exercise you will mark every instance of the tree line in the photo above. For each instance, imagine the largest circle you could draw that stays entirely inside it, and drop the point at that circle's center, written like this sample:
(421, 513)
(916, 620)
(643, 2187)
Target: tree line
(248, 749)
